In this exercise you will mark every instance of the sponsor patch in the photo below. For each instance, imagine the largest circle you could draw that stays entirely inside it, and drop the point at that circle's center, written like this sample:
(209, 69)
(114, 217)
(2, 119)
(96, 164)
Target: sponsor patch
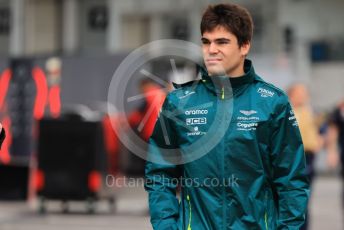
(196, 132)
(196, 112)
(247, 126)
(265, 93)
(196, 121)
(248, 112)
(186, 94)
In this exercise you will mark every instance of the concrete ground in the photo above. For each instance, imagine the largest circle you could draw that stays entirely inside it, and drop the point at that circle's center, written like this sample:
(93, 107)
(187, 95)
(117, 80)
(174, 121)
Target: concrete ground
(132, 212)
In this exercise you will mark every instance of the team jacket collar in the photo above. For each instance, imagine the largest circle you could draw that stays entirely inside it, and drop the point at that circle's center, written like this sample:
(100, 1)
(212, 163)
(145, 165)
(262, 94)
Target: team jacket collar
(224, 85)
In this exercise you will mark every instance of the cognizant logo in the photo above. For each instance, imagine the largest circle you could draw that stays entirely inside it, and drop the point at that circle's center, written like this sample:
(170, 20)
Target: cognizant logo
(247, 125)
(195, 112)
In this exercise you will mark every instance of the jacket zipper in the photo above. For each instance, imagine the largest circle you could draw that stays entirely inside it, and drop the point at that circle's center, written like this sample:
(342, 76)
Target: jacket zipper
(224, 206)
(190, 213)
(266, 211)
(266, 221)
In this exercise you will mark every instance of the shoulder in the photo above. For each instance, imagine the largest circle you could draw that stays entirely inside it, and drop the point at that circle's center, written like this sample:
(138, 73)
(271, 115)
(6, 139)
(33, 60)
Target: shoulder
(182, 91)
(277, 98)
(269, 89)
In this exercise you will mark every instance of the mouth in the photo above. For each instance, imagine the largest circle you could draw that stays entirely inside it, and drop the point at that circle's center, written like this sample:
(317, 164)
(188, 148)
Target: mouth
(213, 60)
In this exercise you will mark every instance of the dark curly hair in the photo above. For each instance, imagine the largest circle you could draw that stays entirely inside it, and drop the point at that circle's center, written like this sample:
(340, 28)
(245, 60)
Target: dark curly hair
(234, 18)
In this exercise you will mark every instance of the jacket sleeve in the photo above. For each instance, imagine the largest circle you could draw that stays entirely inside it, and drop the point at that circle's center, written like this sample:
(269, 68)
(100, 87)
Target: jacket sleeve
(161, 179)
(290, 182)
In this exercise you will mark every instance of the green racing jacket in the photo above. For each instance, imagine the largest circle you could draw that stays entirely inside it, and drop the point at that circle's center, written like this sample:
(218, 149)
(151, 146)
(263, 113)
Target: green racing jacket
(252, 176)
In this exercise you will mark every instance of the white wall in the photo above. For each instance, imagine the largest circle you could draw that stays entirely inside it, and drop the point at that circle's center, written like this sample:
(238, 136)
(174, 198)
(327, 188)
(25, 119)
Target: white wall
(327, 85)
(156, 13)
(91, 41)
(42, 27)
(313, 19)
(276, 70)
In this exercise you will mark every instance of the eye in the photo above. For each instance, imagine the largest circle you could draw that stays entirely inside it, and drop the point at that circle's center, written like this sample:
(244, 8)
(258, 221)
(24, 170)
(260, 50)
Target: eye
(222, 42)
(205, 42)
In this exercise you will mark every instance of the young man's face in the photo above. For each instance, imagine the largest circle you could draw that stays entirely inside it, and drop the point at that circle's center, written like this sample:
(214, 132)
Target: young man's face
(222, 54)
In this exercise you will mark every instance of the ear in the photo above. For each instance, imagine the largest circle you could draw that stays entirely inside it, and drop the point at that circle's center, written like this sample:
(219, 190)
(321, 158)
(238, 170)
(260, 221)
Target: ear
(245, 48)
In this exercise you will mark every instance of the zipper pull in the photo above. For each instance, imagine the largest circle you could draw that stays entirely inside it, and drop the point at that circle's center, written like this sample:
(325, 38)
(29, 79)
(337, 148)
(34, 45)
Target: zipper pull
(223, 93)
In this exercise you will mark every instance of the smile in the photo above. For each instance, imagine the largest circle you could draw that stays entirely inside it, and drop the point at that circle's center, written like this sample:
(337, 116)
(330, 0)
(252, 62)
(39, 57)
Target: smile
(213, 60)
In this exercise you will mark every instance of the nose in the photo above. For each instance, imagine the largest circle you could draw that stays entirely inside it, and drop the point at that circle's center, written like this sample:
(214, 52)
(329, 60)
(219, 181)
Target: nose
(213, 48)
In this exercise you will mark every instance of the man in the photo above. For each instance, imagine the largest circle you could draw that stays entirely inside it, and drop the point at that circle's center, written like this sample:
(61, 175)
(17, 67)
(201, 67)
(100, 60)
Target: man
(143, 120)
(312, 141)
(260, 150)
(335, 139)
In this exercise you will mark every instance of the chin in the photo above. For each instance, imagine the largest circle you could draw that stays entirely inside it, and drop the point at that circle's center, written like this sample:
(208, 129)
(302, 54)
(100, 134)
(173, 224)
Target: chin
(215, 71)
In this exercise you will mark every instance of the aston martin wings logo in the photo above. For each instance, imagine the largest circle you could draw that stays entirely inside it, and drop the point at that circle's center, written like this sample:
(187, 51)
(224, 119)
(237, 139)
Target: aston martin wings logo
(248, 112)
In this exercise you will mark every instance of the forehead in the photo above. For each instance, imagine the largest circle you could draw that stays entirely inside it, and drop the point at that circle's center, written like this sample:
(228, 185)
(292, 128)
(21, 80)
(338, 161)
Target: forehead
(218, 32)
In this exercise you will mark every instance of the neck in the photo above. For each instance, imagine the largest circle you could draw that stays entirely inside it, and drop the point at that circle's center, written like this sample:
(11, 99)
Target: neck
(238, 71)
(236, 74)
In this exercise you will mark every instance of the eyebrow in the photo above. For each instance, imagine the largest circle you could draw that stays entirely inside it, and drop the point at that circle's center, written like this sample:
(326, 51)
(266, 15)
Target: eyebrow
(217, 39)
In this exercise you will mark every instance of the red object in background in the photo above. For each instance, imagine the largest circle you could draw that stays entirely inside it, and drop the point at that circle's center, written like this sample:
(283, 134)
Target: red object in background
(54, 101)
(94, 181)
(5, 156)
(43, 97)
(154, 104)
(112, 144)
(144, 120)
(38, 180)
(42, 92)
(4, 83)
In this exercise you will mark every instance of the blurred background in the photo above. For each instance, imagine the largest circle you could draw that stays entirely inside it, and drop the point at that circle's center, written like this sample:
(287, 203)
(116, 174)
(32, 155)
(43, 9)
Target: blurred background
(62, 166)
